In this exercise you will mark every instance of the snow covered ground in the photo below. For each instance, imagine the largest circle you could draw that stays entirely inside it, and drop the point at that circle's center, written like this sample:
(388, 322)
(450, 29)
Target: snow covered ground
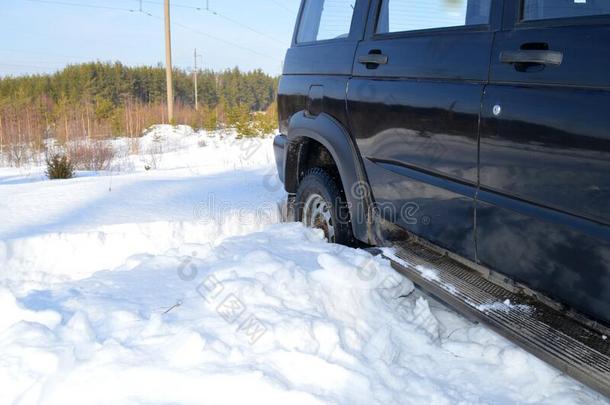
(179, 285)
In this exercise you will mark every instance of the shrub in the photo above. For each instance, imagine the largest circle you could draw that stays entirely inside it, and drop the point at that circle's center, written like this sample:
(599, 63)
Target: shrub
(19, 154)
(59, 167)
(240, 118)
(104, 108)
(249, 125)
(265, 123)
(91, 155)
(210, 119)
(246, 129)
(153, 154)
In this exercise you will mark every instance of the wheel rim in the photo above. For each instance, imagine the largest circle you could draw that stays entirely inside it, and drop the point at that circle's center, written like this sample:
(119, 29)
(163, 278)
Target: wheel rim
(316, 214)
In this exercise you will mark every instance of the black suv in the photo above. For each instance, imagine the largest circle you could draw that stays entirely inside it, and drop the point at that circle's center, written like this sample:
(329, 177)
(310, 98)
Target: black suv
(479, 129)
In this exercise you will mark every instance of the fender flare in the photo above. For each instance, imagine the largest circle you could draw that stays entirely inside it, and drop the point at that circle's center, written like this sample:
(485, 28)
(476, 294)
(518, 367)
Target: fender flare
(327, 131)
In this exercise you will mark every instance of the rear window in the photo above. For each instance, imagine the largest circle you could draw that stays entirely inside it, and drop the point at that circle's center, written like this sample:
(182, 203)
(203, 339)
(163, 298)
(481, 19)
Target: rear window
(413, 15)
(550, 9)
(325, 19)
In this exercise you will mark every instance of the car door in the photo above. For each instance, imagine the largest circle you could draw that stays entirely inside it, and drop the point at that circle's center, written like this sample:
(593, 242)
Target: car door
(319, 61)
(414, 103)
(543, 214)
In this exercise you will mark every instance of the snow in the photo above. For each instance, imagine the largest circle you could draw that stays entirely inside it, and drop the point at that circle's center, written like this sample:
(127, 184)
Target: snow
(427, 273)
(71, 228)
(179, 285)
(505, 306)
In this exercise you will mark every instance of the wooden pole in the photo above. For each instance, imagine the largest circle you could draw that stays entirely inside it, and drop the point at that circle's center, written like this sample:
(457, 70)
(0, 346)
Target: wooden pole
(168, 65)
(195, 73)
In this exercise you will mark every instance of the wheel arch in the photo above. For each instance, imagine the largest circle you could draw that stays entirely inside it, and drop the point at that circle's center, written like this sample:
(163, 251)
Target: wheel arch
(305, 133)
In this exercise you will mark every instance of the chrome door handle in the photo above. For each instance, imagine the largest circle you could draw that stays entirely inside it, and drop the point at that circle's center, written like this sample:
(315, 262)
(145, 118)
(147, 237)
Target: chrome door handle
(373, 59)
(539, 57)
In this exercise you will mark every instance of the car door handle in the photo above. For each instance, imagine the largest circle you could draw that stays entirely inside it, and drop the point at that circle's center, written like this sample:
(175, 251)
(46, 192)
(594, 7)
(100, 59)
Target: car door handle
(373, 59)
(539, 57)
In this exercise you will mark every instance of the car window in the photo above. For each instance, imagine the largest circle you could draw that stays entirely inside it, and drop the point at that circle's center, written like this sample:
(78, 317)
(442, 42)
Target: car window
(412, 15)
(325, 19)
(548, 9)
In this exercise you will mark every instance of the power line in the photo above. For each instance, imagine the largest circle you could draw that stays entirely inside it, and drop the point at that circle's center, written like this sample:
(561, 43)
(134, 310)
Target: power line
(24, 65)
(20, 66)
(139, 10)
(283, 7)
(73, 4)
(245, 48)
(220, 15)
(205, 34)
(175, 5)
(64, 3)
(247, 27)
(47, 55)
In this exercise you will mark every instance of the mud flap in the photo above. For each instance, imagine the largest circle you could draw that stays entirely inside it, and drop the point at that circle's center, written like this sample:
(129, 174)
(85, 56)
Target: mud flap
(287, 209)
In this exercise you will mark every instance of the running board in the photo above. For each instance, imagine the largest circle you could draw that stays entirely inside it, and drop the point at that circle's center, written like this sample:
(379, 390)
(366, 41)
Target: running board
(573, 347)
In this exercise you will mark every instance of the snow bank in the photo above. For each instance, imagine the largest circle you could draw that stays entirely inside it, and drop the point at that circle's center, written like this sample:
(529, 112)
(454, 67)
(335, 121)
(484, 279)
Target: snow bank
(35, 262)
(205, 186)
(247, 321)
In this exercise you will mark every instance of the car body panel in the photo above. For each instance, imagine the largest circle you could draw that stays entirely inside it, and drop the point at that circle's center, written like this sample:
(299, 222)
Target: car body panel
(545, 164)
(415, 120)
(311, 104)
(507, 165)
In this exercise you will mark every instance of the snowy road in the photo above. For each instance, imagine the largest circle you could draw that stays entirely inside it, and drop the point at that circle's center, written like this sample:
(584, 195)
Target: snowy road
(177, 285)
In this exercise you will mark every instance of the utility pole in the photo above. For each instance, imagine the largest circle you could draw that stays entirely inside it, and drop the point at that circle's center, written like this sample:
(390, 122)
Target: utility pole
(195, 72)
(168, 65)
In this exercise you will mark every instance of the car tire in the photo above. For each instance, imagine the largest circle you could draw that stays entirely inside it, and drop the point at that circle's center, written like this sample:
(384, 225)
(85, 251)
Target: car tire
(321, 204)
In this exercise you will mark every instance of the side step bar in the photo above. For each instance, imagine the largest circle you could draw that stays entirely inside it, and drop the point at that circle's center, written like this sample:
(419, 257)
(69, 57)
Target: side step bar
(576, 349)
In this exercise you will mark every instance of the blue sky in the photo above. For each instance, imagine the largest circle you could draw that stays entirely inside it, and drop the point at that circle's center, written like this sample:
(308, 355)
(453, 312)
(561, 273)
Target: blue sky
(41, 37)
